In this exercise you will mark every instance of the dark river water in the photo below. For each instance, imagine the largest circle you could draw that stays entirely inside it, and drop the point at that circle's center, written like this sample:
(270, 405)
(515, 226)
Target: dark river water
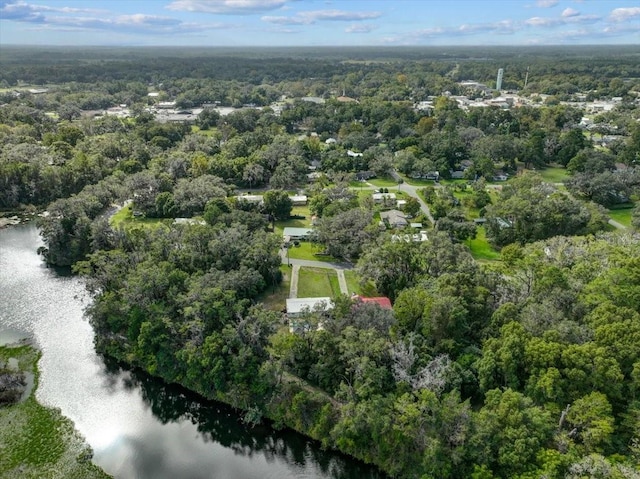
(138, 426)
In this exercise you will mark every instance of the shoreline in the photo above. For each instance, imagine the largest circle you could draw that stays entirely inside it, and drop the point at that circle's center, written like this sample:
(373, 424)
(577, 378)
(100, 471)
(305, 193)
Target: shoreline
(38, 438)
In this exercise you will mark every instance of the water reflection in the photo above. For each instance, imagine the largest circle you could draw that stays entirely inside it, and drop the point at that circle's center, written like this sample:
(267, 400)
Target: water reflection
(221, 424)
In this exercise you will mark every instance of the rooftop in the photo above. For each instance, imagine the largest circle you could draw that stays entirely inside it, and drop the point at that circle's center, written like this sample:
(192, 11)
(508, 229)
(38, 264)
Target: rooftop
(299, 305)
(382, 301)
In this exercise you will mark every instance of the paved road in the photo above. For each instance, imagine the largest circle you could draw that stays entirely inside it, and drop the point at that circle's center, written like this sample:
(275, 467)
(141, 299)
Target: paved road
(412, 190)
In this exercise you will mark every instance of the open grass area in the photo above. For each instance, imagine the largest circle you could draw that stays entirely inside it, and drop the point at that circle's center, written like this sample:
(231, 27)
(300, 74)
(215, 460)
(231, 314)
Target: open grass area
(480, 247)
(554, 175)
(383, 182)
(309, 250)
(622, 214)
(124, 218)
(353, 284)
(417, 181)
(275, 298)
(36, 441)
(294, 223)
(318, 282)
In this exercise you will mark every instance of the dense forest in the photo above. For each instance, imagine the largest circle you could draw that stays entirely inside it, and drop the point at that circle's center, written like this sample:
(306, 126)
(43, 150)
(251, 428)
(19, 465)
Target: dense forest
(513, 346)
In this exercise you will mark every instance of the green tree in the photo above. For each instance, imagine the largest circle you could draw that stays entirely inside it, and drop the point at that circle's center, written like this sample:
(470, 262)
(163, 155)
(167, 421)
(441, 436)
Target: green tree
(278, 204)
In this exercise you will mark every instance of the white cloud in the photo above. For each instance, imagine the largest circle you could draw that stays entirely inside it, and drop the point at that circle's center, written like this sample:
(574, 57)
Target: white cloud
(567, 18)
(78, 19)
(226, 7)
(624, 14)
(583, 19)
(546, 3)
(542, 22)
(280, 20)
(360, 28)
(620, 29)
(310, 17)
(570, 12)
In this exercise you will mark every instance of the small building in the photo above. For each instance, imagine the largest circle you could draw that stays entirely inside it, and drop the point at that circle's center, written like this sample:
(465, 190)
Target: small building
(253, 199)
(365, 175)
(313, 99)
(166, 104)
(297, 307)
(299, 200)
(394, 218)
(382, 301)
(313, 176)
(383, 197)
(294, 234)
(400, 204)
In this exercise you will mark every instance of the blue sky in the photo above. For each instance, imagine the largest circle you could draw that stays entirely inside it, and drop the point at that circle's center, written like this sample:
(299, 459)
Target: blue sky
(318, 22)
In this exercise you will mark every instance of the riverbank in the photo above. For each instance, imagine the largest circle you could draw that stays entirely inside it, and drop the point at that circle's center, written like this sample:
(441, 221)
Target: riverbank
(37, 441)
(16, 217)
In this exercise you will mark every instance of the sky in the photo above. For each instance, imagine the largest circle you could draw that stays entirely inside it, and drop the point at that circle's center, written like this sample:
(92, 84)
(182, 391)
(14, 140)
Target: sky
(319, 22)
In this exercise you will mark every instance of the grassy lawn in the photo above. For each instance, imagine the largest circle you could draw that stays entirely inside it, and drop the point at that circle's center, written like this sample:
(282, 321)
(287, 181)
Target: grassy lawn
(37, 441)
(318, 282)
(308, 250)
(209, 132)
(622, 215)
(276, 300)
(125, 218)
(294, 223)
(553, 175)
(383, 182)
(353, 284)
(417, 181)
(480, 247)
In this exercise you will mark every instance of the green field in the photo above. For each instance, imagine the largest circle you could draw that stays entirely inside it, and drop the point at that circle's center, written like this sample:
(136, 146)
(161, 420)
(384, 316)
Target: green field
(554, 175)
(419, 181)
(125, 218)
(622, 215)
(309, 250)
(36, 441)
(354, 286)
(318, 282)
(383, 182)
(480, 247)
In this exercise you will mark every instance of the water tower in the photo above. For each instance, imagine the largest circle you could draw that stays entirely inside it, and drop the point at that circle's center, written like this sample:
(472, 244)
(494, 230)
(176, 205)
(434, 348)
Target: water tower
(499, 79)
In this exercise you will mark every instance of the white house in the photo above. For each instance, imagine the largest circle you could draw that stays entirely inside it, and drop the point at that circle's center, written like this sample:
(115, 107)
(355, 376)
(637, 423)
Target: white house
(254, 199)
(382, 197)
(299, 200)
(292, 234)
(296, 307)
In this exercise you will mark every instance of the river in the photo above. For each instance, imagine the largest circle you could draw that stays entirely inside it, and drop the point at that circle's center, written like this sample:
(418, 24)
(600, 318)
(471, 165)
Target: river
(138, 426)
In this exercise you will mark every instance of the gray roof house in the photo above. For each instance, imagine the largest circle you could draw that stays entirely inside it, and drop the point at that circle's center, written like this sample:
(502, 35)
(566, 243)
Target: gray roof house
(290, 233)
(394, 218)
